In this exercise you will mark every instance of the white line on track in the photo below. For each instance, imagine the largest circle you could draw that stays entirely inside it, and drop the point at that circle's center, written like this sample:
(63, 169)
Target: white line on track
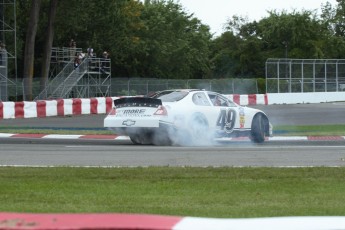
(58, 136)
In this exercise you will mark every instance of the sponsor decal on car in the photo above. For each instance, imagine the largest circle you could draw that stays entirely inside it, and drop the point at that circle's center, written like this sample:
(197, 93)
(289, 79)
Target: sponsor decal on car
(128, 122)
(226, 120)
(132, 113)
(242, 117)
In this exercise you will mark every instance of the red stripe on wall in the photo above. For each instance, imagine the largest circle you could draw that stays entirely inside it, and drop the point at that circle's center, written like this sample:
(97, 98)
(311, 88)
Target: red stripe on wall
(236, 98)
(60, 107)
(93, 106)
(109, 104)
(266, 99)
(41, 108)
(252, 99)
(76, 106)
(1, 110)
(19, 109)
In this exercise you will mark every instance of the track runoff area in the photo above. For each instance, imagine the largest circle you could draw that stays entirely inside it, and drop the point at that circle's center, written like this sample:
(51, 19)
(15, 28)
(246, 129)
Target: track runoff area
(146, 222)
(156, 222)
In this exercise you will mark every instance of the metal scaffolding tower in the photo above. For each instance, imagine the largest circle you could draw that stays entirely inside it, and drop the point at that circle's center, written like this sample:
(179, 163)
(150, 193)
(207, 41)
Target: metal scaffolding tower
(91, 78)
(8, 47)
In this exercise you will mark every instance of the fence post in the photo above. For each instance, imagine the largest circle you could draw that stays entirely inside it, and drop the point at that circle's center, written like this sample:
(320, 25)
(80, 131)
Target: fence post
(128, 87)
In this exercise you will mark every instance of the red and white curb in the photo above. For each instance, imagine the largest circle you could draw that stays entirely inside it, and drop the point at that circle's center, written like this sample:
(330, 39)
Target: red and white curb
(63, 136)
(117, 137)
(21, 221)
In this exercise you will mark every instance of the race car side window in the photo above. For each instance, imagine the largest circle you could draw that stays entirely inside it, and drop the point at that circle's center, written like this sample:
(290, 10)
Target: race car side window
(171, 96)
(228, 102)
(219, 100)
(200, 99)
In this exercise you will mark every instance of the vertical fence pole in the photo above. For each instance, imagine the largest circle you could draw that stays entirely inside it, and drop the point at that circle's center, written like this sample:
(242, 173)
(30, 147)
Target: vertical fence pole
(290, 77)
(128, 87)
(314, 76)
(302, 73)
(336, 76)
(278, 75)
(266, 74)
(325, 80)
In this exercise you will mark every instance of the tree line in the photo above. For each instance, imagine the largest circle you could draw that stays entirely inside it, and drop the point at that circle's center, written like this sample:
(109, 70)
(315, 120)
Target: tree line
(160, 39)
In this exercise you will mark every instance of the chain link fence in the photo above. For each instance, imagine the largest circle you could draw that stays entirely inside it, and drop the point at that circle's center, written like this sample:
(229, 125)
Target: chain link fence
(143, 86)
(305, 75)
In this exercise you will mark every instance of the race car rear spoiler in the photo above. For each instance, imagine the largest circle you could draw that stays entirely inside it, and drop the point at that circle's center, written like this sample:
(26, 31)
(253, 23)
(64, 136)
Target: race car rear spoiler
(137, 102)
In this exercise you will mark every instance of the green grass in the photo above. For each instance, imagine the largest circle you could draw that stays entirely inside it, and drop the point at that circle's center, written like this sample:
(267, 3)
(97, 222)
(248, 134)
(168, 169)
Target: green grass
(310, 130)
(205, 192)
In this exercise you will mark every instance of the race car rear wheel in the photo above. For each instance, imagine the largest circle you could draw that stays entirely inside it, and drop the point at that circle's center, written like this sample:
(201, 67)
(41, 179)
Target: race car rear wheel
(161, 138)
(134, 139)
(141, 139)
(258, 132)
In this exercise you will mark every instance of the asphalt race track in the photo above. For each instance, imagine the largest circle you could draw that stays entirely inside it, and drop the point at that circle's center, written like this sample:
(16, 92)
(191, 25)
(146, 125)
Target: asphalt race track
(110, 154)
(119, 153)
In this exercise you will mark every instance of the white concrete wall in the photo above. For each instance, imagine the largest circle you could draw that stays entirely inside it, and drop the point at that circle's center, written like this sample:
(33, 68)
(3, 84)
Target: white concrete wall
(304, 98)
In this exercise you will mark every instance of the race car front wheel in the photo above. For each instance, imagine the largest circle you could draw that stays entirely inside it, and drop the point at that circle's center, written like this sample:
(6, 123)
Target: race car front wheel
(199, 129)
(258, 132)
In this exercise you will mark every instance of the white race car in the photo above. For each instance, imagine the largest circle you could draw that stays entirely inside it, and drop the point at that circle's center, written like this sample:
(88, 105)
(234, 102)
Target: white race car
(185, 117)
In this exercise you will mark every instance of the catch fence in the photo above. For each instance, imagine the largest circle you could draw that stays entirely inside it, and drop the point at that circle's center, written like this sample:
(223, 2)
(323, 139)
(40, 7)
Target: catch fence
(305, 75)
(143, 86)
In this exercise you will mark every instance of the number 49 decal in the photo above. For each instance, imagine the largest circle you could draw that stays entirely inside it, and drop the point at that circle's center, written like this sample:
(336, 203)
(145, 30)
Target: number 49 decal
(226, 120)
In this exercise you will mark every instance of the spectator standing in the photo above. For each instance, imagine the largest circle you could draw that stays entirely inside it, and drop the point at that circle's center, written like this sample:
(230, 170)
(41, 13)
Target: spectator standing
(104, 63)
(78, 59)
(2, 51)
(90, 53)
(72, 47)
(105, 55)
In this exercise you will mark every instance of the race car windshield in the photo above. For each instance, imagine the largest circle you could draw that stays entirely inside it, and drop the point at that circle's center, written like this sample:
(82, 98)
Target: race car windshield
(171, 96)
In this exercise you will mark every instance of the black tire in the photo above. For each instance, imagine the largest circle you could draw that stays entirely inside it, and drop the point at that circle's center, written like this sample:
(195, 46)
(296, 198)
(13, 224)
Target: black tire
(141, 139)
(258, 132)
(135, 139)
(161, 138)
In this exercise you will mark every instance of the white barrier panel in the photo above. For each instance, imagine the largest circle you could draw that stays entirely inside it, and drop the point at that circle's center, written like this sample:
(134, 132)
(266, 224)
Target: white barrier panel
(30, 110)
(51, 108)
(8, 110)
(304, 98)
(68, 107)
(244, 100)
(85, 106)
(101, 107)
(260, 99)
